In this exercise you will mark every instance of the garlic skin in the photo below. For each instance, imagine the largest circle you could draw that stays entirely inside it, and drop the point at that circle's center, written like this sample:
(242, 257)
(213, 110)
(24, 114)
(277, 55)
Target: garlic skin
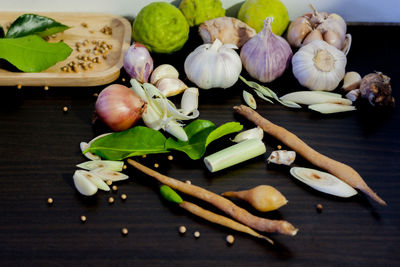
(266, 56)
(319, 66)
(213, 65)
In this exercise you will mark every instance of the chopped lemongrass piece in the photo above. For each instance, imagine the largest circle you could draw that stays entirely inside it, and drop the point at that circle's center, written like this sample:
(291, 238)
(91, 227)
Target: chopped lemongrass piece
(314, 97)
(329, 94)
(113, 176)
(235, 154)
(95, 179)
(256, 132)
(249, 99)
(323, 182)
(111, 165)
(83, 184)
(328, 108)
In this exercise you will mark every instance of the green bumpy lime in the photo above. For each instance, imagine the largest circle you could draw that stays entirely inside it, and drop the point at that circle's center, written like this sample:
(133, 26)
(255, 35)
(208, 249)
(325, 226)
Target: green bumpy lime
(254, 12)
(198, 11)
(161, 27)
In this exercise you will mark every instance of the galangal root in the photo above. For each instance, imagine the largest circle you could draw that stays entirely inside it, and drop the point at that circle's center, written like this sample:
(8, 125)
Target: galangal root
(240, 214)
(340, 170)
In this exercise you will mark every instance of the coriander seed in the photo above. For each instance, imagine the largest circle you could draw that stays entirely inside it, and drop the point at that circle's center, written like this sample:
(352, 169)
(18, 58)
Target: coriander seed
(19, 86)
(109, 182)
(110, 200)
(319, 208)
(124, 231)
(170, 157)
(50, 201)
(156, 165)
(46, 88)
(83, 218)
(65, 109)
(279, 147)
(115, 188)
(230, 239)
(124, 167)
(196, 234)
(182, 229)
(124, 196)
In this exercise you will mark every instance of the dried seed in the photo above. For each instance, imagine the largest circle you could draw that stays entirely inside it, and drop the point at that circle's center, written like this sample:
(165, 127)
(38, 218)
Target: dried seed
(88, 50)
(196, 234)
(123, 79)
(84, 24)
(50, 201)
(104, 56)
(46, 88)
(109, 182)
(115, 188)
(170, 157)
(65, 109)
(279, 147)
(156, 165)
(144, 156)
(182, 229)
(124, 167)
(124, 196)
(188, 182)
(111, 200)
(83, 218)
(19, 86)
(319, 208)
(124, 231)
(230, 239)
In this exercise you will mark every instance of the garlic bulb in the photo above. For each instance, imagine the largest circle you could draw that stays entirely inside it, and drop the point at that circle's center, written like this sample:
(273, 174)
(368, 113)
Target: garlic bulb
(213, 65)
(266, 56)
(319, 66)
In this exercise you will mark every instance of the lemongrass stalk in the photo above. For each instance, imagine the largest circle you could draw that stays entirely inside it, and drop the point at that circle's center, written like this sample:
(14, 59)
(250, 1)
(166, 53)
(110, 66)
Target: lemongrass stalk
(235, 154)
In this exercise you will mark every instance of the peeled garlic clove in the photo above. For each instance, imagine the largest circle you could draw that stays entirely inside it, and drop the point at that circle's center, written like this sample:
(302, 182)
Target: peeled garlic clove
(282, 157)
(176, 129)
(108, 164)
(351, 80)
(163, 71)
(256, 132)
(298, 30)
(314, 35)
(249, 99)
(328, 108)
(170, 86)
(105, 175)
(84, 185)
(314, 97)
(190, 100)
(323, 182)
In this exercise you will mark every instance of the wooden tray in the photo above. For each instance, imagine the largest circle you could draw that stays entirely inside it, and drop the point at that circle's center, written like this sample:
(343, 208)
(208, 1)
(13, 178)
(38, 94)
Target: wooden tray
(84, 26)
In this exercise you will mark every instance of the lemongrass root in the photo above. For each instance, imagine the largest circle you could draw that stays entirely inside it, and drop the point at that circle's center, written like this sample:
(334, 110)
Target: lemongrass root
(240, 214)
(338, 169)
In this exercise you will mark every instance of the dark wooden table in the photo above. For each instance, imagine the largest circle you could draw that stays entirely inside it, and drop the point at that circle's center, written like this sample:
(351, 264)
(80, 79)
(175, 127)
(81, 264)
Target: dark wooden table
(39, 148)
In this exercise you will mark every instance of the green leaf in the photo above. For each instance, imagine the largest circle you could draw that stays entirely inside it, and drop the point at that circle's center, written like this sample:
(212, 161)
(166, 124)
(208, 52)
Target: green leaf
(1, 32)
(32, 54)
(136, 141)
(28, 24)
(169, 194)
(201, 133)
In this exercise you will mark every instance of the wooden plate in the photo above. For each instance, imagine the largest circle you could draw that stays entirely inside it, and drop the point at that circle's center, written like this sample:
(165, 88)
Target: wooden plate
(84, 26)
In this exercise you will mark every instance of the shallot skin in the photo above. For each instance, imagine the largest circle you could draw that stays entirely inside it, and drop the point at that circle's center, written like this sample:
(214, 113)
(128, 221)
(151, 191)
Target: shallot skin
(119, 107)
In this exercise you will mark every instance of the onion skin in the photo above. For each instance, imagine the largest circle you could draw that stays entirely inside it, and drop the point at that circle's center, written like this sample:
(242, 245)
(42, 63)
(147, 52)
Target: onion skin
(138, 62)
(119, 107)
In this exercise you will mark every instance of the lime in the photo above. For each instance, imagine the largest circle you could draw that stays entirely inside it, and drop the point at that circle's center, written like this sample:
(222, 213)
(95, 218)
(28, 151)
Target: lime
(161, 27)
(253, 12)
(198, 11)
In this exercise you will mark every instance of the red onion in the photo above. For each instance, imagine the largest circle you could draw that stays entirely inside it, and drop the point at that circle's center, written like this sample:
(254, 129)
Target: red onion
(119, 107)
(138, 62)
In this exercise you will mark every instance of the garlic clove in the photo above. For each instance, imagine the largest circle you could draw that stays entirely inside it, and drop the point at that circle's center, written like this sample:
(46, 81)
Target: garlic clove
(176, 129)
(163, 71)
(84, 185)
(314, 97)
(249, 99)
(298, 30)
(334, 38)
(190, 100)
(314, 35)
(256, 132)
(105, 175)
(351, 81)
(328, 108)
(282, 157)
(171, 86)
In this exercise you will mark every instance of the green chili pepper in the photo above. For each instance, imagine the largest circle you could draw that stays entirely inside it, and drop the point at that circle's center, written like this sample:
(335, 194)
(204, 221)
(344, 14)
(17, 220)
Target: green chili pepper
(169, 194)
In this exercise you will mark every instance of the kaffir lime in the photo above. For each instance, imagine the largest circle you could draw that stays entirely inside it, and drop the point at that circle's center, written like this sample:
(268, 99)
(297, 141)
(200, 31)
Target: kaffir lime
(254, 12)
(161, 27)
(198, 11)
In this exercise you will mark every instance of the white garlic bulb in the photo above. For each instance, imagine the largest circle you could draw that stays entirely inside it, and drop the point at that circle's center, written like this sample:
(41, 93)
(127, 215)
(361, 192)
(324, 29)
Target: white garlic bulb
(213, 65)
(319, 66)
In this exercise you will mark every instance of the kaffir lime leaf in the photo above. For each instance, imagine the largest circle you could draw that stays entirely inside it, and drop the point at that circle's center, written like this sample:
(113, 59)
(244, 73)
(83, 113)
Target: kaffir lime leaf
(198, 11)
(254, 12)
(161, 27)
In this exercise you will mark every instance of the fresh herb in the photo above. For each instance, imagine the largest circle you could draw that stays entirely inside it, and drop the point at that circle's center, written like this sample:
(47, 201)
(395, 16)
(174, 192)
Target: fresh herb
(24, 47)
(265, 93)
(169, 194)
(141, 140)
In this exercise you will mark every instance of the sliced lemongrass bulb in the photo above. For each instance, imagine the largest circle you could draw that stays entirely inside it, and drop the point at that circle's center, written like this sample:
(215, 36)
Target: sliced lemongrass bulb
(108, 164)
(249, 99)
(328, 108)
(95, 179)
(314, 97)
(83, 184)
(105, 175)
(329, 93)
(235, 154)
(190, 100)
(175, 129)
(89, 155)
(163, 71)
(171, 86)
(138, 90)
(323, 182)
(284, 157)
(256, 132)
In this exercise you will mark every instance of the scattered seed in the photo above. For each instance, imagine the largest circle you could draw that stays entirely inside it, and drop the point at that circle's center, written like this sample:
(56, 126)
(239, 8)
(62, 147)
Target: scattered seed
(156, 165)
(188, 182)
(95, 94)
(123, 79)
(109, 182)
(319, 208)
(88, 50)
(110, 200)
(65, 109)
(144, 156)
(124, 196)
(196, 234)
(124, 167)
(84, 24)
(124, 231)
(19, 86)
(230, 239)
(170, 157)
(182, 229)
(83, 218)
(104, 56)
(50, 201)
(279, 147)
(115, 188)
(46, 88)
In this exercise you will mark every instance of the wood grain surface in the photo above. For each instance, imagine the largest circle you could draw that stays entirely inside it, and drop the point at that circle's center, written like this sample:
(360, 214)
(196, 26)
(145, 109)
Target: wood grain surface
(39, 148)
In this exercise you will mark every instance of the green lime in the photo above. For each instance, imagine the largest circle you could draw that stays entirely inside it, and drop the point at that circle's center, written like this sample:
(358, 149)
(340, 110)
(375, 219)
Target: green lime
(198, 11)
(254, 12)
(161, 27)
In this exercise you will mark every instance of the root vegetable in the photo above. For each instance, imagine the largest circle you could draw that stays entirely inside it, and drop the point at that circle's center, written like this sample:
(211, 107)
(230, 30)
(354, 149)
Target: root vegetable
(377, 89)
(340, 170)
(242, 215)
(263, 197)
